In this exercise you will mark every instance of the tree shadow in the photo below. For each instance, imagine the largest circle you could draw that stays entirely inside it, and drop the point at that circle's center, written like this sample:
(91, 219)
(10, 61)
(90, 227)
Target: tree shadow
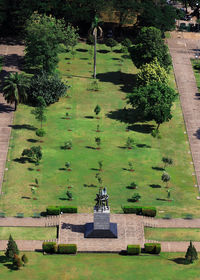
(10, 266)
(25, 197)
(122, 147)
(103, 51)
(157, 168)
(179, 261)
(126, 56)
(94, 169)
(62, 198)
(90, 147)
(84, 58)
(62, 169)
(23, 160)
(23, 126)
(89, 117)
(115, 58)
(81, 50)
(30, 169)
(155, 186)
(197, 133)
(117, 51)
(3, 259)
(32, 140)
(90, 186)
(5, 108)
(142, 128)
(143, 146)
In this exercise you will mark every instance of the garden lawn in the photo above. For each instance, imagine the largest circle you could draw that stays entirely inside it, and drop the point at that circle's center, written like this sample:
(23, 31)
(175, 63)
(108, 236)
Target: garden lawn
(28, 233)
(116, 77)
(172, 234)
(101, 266)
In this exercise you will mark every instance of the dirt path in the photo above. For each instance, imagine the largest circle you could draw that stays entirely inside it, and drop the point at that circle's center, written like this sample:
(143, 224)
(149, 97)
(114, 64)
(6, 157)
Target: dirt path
(12, 54)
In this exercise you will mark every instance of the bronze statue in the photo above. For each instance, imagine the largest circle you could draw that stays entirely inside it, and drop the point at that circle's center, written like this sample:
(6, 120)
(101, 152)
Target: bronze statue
(102, 200)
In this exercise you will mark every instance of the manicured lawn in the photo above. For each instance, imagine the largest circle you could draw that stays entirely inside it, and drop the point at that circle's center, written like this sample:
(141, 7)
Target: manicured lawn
(102, 266)
(115, 78)
(172, 234)
(28, 233)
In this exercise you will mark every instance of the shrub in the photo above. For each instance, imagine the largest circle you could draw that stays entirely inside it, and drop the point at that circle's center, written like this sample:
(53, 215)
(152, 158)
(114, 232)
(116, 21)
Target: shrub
(126, 43)
(133, 249)
(149, 211)
(53, 210)
(111, 43)
(68, 209)
(67, 145)
(67, 248)
(40, 132)
(152, 248)
(24, 259)
(51, 88)
(135, 197)
(69, 195)
(49, 247)
(17, 261)
(132, 209)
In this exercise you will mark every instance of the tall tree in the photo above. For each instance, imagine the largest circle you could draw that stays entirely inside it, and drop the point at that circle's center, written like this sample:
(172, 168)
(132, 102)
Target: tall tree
(39, 111)
(14, 90)
(191, 254)
(150, 45)
(12, 248)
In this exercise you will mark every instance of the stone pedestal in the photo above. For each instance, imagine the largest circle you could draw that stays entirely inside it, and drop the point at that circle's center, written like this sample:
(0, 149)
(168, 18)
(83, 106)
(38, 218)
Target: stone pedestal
(101, 228)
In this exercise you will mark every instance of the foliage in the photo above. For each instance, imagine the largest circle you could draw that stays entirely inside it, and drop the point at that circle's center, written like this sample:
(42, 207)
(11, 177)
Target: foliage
(94, 86)
(156, 133)
(126, 43)
(34, 153)
(135, 197)
(99, 179)
(133, 185)
(152, 248)
(12, 248)
(71, 36)
(151, 72)
(17, 261)
(129, 143)
(111, 43)
(133, 249)
(39, 111)
(98, 141)
(15, 88)
(67, 248)
(150, 45)
(56, 210)
(49, 87)
(191, 253)
(149, 211)
(67, 145)
(49, 247)
(40, 132)
(139, 210)
(24, 259)
(153, 102)
(100, 163)
(69, 195)
(130, 163)
(68, 209)
(43, 37)
(167, 161)
(165, 178)
(97, 109)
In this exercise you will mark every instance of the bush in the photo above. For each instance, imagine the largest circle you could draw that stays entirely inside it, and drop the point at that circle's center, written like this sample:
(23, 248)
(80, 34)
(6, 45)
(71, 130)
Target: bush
(53, 210)
(149, 211)
(67, 248)
(40, 132)
(126, 43)
(132, 209)
(68, 209)
(133, 249)
(49, 247)
(152, 248)
(111, 43)
(51, 88)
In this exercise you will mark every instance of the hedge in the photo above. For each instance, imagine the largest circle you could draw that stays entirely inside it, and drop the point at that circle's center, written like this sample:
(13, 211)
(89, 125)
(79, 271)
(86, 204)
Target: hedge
(139, 210)
(152, 248)
(49, 247)
(133, 249)
(56, 210)
(67, 248)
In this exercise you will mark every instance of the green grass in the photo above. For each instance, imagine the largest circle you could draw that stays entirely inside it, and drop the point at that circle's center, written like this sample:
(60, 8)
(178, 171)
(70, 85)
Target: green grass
(116, 78)
(172, 234)
(195, 64)
(28, 233)
(102, 266)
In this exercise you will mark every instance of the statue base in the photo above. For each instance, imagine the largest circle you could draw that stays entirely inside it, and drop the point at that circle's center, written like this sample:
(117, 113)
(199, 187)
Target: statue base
(90, 232)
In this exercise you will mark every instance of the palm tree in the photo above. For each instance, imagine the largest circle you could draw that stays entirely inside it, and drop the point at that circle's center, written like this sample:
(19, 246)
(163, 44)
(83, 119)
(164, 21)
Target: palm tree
(14, 90)
(95, 28)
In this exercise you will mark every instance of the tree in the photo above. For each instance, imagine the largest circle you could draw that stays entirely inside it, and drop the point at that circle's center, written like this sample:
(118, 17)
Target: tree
(150, 45)
(167, 161)
(14, 90)
(24, 259)
(191, 254)
(39, 111)
(68, 165)
(129, 143)
(126, 43)
(100, 162)
(43, 37)
(12, 248)
(153, 102)
(50, 87)
(98, 142)
(71, 36)
(17, 261)
(130, 163)
(111, 43)
(165, 178)
(135, 197)
(99, 179)
(97, 109)
(34, 153)
(151, 72)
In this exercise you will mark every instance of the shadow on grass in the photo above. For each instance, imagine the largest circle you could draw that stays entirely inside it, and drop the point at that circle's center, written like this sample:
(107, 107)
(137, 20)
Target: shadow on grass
(90, 147)
(143, 146)
(62, 198)
(179, 261)
(10, 266)
(94, 169)
(89, 117)
(23, 160)
(142, 128)
(103, 51)
(155, 186)
(32, 140)
(122, 147)
(62, 169)
(117, 51)
(84, 58)
(30, 169)
(3, 259)
(25, 197)
(81, 50)
(115, 58)
(157, 168)
(89, 186)
(23, 126)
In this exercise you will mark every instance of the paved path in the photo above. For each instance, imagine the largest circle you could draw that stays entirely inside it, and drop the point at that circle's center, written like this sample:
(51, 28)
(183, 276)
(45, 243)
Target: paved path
(182, 50)
(12, 55)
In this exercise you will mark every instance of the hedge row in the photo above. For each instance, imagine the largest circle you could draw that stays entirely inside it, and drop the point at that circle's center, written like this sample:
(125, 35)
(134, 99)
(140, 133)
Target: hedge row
(52, 248)
(56, 210)
(140, 210)
(150, 248)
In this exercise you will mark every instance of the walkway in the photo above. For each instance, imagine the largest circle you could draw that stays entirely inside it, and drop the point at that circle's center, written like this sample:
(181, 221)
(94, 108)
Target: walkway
(182, 50)
(12, 55)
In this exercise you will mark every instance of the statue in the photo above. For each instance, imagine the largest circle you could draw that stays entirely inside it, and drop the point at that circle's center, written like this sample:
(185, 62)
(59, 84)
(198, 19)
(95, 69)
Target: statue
(102, 200)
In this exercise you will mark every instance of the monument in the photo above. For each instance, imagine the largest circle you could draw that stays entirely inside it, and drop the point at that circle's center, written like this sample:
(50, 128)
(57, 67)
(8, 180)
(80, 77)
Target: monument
(101, 227)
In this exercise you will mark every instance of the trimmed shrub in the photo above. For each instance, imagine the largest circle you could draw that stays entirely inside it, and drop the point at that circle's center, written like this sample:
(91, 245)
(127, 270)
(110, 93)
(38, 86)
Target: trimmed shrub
(67, 248)
(68, 209)
(149, 211)
(132, 209)
(40, 132)
(133, 249)
(49, 247)
(152, 248)
(53, 210)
